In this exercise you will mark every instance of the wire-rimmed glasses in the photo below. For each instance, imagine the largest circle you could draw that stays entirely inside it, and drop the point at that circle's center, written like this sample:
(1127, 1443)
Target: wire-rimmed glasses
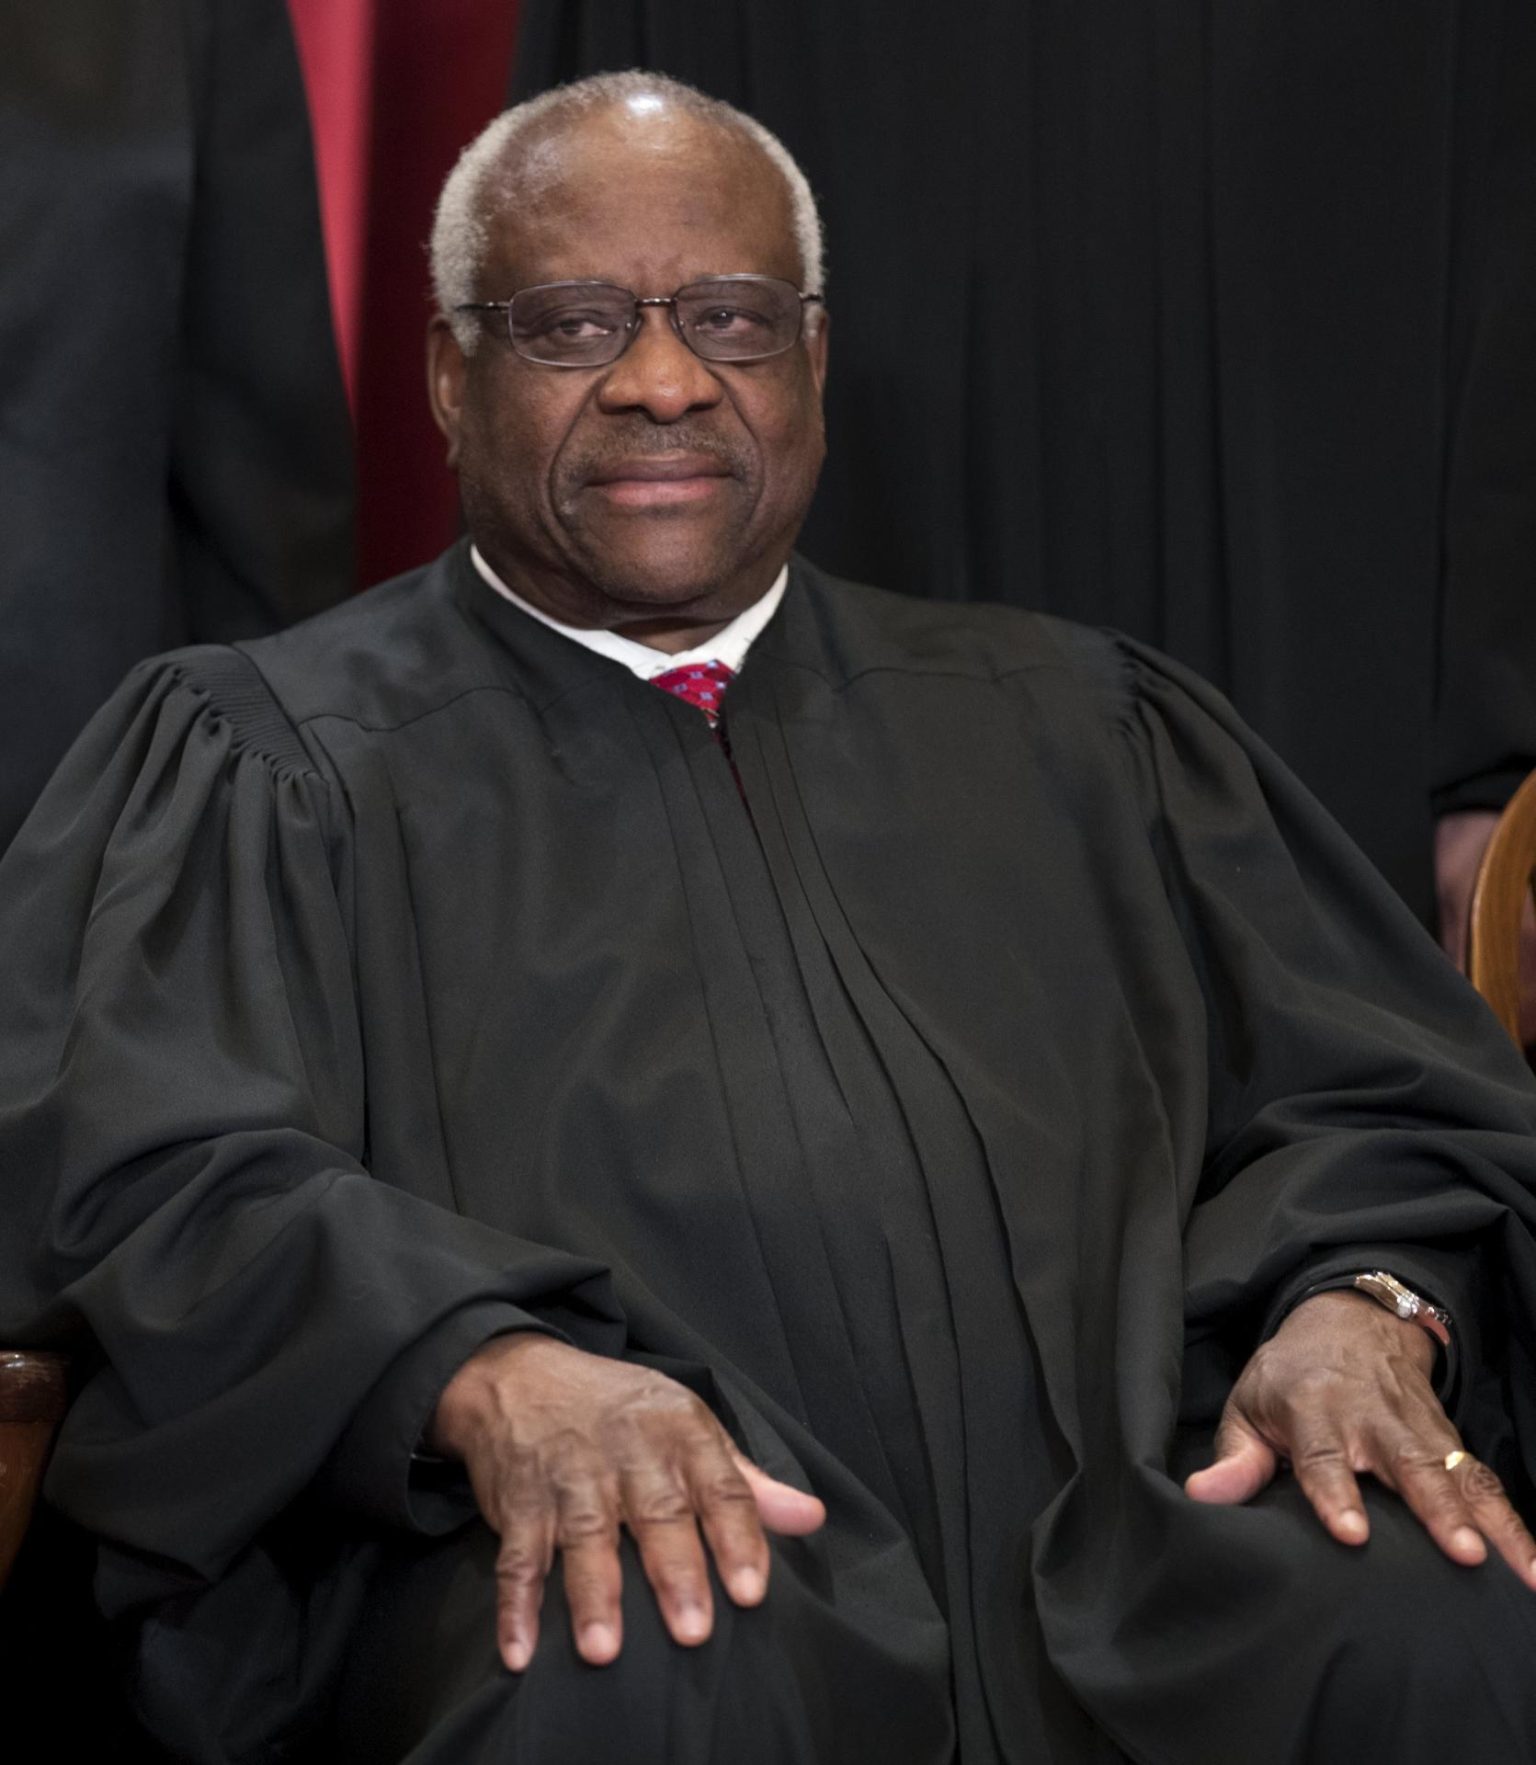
(590, 324)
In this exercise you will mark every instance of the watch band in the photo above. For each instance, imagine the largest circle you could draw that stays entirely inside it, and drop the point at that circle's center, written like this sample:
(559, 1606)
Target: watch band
(1411, 1307)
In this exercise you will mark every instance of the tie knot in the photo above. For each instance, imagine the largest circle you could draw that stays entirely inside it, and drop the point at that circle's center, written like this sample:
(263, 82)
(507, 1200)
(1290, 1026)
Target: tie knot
(702, 684)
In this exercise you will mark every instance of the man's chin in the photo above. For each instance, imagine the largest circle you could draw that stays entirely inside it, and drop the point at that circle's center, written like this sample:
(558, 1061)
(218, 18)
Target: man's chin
(681, 582)
(656, 546)
(635, 600)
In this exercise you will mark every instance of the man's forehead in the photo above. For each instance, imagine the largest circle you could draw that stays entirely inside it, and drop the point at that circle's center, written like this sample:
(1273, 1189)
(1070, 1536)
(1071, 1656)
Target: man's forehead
(620, 178)
(582, 145)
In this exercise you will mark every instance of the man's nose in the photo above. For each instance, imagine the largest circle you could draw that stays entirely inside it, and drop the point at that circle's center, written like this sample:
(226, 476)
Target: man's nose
(659, 373)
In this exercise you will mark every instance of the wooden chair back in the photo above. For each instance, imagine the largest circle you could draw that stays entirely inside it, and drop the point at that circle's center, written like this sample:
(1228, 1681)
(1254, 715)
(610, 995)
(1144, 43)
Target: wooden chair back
(33, 1395)
(1505, 880)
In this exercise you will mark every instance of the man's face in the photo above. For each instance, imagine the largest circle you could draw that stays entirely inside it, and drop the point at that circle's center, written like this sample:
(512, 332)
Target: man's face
(660, 489)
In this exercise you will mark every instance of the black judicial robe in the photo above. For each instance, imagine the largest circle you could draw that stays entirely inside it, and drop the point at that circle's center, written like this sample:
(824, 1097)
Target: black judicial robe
(958, 1117)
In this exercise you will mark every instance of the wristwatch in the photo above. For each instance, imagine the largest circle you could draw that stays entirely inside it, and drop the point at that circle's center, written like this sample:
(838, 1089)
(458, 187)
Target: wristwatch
(1411, 1307)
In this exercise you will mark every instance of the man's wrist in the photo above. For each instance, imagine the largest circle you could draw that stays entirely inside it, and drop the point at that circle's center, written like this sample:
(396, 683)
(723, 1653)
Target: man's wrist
(1403, 1302)
(471, 1394)
(1427, 1325)
(1344, 1303)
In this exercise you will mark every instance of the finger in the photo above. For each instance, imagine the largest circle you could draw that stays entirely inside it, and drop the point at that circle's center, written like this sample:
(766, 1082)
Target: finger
(1321, 1463)
(781, 1507)
(522, 1565)
(659, 1511)
(587, 1536)
(728, 1512)
(1245, 1462)
(1495, 1517)
(1415, 1467)
(1463, 1509)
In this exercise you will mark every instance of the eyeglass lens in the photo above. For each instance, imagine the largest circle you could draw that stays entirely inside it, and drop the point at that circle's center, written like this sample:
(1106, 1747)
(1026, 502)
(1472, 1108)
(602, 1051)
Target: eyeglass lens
(586, 324)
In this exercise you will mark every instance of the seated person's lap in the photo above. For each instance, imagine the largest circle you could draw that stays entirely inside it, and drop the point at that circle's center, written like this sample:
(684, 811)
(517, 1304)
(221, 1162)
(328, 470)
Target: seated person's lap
(1388, 1650)
(786, 1681)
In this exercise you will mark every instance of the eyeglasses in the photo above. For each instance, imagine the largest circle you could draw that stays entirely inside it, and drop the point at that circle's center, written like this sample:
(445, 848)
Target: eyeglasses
(589, 324)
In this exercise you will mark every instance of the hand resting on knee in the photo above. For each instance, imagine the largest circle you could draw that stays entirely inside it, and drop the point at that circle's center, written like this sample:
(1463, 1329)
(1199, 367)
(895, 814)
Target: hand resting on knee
(564, 1447)
(1342, 1387)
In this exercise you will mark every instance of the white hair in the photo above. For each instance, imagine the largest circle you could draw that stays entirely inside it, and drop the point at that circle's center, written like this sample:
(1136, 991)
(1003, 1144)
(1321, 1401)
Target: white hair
(460, 230)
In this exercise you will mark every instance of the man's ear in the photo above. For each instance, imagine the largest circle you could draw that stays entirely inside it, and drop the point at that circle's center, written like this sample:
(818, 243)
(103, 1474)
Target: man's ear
(816, 346)
(446, 369)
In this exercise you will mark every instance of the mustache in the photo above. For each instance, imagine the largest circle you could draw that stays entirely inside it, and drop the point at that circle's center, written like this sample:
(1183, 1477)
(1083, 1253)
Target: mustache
(652, 443)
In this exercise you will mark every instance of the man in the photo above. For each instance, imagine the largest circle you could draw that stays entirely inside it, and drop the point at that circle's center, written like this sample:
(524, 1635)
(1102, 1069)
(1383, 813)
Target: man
(819, 1170)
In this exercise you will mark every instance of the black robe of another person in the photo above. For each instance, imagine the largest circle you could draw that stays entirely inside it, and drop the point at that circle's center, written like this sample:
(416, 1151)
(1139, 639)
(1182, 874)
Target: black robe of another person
(956, 1105)
(175, 454)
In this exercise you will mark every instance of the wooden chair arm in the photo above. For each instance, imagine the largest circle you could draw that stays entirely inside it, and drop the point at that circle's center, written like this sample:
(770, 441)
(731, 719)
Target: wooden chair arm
(1505, 878)
(33, 1396)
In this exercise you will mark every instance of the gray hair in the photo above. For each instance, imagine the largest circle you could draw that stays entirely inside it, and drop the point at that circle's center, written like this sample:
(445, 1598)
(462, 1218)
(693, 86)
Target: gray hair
(461, 237)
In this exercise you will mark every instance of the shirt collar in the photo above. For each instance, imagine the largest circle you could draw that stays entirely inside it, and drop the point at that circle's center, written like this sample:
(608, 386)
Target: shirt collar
(729, 645)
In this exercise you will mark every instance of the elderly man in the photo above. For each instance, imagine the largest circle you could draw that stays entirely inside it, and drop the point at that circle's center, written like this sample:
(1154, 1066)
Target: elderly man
(808, 1151)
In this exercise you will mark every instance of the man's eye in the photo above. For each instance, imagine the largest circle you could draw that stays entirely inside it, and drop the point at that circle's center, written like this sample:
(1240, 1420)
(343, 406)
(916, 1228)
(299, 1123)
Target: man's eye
(574, 326)
(728, 321)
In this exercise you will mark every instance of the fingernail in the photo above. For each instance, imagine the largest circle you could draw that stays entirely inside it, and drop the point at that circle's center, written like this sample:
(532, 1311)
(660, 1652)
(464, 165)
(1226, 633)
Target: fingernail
(1352, 1523)
(1465, 1539)
(1531, 1569)
(747, 1586)
(599, 1639)
(692, 1624)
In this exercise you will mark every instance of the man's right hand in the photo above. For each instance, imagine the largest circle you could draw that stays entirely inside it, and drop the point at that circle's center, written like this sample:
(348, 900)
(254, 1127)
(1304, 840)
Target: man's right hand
(564, 1447)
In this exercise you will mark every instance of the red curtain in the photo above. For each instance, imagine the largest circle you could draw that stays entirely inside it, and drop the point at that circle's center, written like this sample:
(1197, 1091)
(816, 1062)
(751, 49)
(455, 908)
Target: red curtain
(396, 88)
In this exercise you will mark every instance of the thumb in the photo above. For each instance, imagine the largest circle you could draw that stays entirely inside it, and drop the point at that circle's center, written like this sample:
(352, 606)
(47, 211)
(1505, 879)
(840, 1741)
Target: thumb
(1245, 1462)
(781, 1507)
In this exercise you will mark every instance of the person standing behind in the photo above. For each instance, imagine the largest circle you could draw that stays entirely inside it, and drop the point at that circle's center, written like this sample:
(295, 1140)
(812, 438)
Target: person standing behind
(175, 453)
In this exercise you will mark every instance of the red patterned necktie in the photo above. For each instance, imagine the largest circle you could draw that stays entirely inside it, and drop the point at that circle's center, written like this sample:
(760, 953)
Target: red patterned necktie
(702, 684)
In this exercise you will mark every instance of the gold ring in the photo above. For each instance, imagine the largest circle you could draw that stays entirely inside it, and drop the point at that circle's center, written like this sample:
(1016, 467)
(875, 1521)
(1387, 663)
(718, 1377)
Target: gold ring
(1453, 1459)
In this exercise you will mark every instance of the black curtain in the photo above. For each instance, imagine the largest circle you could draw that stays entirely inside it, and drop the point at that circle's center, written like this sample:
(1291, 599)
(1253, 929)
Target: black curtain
(1214, 320)
(175, 452)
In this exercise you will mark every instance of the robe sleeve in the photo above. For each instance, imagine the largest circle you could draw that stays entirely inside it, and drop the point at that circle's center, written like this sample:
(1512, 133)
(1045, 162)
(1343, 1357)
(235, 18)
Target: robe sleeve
(1364, 1108)
(182, 1121)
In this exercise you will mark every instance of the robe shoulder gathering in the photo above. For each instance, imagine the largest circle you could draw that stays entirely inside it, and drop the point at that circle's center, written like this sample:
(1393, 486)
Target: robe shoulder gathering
(956, 1103)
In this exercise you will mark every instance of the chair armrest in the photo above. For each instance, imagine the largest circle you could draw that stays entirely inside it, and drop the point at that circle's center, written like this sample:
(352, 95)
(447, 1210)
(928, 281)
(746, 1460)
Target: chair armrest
(1506, 879)
(33, 1395)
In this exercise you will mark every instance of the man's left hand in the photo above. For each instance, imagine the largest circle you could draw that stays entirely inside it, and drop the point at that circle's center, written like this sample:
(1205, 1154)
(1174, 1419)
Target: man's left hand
(1342, 1387)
